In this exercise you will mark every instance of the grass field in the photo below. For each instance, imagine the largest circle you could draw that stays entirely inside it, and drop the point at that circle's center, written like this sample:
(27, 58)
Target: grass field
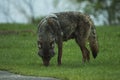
(18, 54)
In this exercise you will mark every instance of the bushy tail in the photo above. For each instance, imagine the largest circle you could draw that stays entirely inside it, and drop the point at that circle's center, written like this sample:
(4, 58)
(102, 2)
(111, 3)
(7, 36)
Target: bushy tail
(93, 42)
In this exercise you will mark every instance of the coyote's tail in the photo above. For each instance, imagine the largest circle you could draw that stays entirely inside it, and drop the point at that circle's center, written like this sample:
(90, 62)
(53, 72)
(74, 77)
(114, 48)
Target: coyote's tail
(93, 42)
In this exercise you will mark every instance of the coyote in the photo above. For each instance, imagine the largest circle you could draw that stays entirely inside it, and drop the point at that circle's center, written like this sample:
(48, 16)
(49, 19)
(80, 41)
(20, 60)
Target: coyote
(59, 27)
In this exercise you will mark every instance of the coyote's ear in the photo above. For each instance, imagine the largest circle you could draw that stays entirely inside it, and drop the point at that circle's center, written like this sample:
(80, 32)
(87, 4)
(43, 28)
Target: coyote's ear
(51, 21)
(55, 25)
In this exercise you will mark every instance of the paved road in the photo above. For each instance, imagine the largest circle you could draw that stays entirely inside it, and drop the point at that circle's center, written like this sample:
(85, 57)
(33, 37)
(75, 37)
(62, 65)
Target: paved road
(4, 75)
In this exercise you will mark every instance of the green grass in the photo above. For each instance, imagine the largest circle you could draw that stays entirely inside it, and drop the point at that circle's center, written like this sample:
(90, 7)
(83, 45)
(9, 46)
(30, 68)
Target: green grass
(18, 54)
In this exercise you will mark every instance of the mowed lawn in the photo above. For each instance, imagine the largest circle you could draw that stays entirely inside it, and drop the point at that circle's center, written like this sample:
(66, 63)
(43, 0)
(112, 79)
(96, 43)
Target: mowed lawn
(18, 54)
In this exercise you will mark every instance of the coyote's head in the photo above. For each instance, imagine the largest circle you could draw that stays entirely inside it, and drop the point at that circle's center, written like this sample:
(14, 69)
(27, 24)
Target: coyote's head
(46, 39)
(46, 45)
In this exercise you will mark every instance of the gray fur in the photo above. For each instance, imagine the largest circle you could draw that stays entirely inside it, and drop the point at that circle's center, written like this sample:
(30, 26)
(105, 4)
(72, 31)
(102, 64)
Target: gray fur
(59, 27)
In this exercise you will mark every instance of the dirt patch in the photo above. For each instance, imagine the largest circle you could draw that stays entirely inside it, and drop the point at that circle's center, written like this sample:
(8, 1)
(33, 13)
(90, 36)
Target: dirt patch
(15, 32)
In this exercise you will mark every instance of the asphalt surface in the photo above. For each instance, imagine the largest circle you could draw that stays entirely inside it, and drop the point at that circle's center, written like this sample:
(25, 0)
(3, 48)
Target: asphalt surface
(4, 75)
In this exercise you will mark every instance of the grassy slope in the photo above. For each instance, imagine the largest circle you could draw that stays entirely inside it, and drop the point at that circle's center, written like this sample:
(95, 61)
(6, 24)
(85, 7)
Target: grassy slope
(18, 54)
